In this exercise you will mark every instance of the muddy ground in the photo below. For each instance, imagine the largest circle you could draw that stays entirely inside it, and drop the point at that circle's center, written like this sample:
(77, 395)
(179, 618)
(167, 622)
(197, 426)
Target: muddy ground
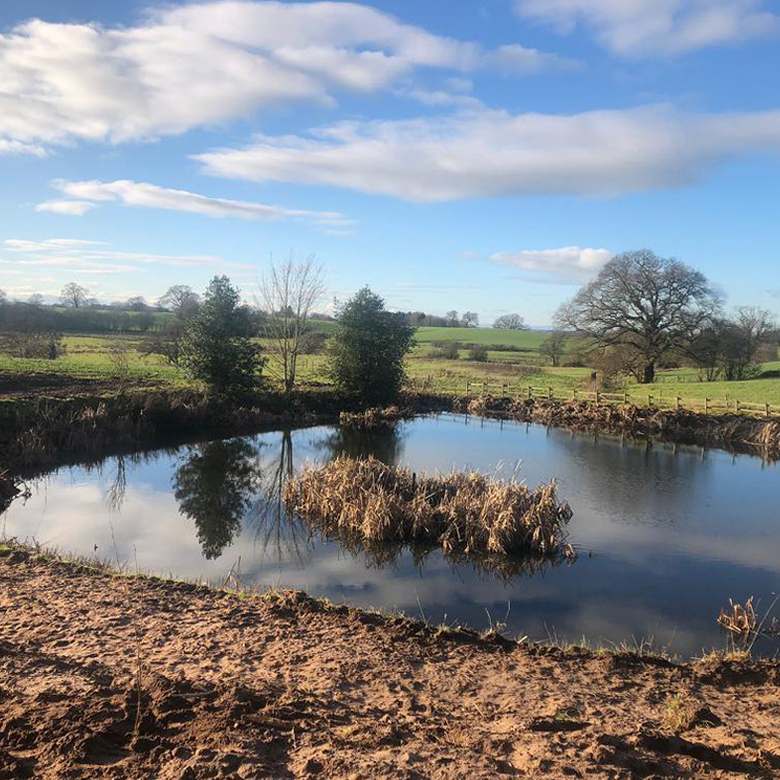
(285, 687)
(54, 385)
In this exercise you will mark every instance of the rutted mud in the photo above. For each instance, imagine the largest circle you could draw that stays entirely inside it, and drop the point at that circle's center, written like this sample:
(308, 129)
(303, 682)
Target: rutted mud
(104, 676)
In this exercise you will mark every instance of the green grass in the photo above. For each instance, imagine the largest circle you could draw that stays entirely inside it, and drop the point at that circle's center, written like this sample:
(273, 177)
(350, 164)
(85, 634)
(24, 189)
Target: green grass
(528, 340)
(88, 357)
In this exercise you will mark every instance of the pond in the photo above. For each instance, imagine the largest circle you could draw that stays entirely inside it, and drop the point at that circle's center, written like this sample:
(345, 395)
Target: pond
(665, 534)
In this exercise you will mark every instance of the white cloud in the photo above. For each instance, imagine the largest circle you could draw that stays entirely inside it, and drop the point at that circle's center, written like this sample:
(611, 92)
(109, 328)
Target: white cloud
(205, 63)
(643, 27)
(568, 264)
(84, 256)
(73, 208)
(484, 153)
(142, 194)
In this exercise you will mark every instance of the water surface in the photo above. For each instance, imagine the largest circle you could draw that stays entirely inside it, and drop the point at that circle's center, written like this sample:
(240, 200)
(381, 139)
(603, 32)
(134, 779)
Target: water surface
(666, 534)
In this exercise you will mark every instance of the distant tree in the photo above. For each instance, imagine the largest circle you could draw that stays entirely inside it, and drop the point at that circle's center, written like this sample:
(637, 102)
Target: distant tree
(554, 346)
(137, 303)
(649, 306)
(470, 319)
(287, 293)
(478, 353)
(74, 295)
(3, 297)
(164, 342)
(36, 299)
(216, 346)
(215, 485)
(452, 318)
(731, 349)
(31, 332)
(367, 351)
(182, 300)
(510, 322)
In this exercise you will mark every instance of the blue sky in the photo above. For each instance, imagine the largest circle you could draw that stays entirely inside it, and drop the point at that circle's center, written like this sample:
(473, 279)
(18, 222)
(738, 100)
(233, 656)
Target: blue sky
(487, 155)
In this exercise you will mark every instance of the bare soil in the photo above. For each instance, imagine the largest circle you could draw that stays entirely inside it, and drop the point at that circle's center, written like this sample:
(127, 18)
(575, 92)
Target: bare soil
(53, 385)
(106, 676)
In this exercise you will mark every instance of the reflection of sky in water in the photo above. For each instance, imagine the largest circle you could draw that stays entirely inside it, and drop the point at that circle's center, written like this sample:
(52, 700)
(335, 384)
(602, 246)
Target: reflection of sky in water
(666, 534)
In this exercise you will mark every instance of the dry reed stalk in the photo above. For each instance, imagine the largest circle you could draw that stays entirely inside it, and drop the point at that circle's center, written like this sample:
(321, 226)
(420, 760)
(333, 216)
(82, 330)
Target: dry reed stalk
(464, 512)
(374, 418)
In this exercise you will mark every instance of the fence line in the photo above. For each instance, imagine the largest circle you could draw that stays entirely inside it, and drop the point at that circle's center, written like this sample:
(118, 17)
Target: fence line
(657, 400)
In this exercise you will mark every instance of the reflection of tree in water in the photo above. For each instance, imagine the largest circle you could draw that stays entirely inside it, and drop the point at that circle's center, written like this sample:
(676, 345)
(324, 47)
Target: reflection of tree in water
(385, 443)
(274, 529)
(215, 485)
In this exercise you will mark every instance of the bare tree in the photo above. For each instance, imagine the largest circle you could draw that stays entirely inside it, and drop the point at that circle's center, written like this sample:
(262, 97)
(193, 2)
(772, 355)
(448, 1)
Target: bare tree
(510, 322)
(137, 303)
(470, 319)
(36, 299)
(651, 306)
(732, 348)
(287, 293)
(74, 295)
(182, 300)
(452, 318)
(553, 347)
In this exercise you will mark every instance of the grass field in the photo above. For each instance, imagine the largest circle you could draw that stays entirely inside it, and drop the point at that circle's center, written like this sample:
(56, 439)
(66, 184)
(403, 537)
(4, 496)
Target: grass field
(525, 340)
(90, 357)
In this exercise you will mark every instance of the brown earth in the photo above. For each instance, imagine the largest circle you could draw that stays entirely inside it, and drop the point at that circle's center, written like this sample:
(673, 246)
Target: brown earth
(53, 385)
(286, 687)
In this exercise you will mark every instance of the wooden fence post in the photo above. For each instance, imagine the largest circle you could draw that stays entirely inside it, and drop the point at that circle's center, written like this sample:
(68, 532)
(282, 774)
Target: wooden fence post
(679, 402)
(550, 393)
(649, 399)
(468, 387)
(706, 405)
(530, 392)
(737, 404)
(575, 393)
(768, 412)
(625, 398)
(598, 398)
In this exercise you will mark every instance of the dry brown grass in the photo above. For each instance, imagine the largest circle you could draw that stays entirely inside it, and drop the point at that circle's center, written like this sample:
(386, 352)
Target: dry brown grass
(374, 418)
(464, 512)
(725, 430)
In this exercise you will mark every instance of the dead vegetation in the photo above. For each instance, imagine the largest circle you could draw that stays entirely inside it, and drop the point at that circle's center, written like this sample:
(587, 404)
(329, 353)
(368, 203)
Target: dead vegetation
(744, 627)
(463, 512)
(375, 418)
(732, 431)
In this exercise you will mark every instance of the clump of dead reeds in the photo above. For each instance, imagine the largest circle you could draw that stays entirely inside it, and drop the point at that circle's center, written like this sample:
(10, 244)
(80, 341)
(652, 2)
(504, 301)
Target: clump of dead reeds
(744, 627)
(373, 418)
(464, 512)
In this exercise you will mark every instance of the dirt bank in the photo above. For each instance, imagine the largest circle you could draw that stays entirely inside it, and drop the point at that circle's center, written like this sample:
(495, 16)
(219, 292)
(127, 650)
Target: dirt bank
(285, 687)
(736, 432)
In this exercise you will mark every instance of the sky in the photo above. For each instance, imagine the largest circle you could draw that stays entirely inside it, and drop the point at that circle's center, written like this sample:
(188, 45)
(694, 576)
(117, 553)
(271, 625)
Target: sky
(484, 155)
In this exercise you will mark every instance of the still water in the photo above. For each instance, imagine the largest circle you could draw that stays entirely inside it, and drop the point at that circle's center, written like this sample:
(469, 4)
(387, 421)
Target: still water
(665, 535)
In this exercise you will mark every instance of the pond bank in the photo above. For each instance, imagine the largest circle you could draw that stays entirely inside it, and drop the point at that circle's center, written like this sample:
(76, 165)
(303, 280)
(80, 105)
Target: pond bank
(744, 433)
(281, 685)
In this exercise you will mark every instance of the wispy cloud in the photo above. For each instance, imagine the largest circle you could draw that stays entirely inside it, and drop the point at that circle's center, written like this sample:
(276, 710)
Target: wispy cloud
(84, 256)
(145, 195)
(634, 28)
(484, 153)
(565, 265)
(203, 63)
(71, 208)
